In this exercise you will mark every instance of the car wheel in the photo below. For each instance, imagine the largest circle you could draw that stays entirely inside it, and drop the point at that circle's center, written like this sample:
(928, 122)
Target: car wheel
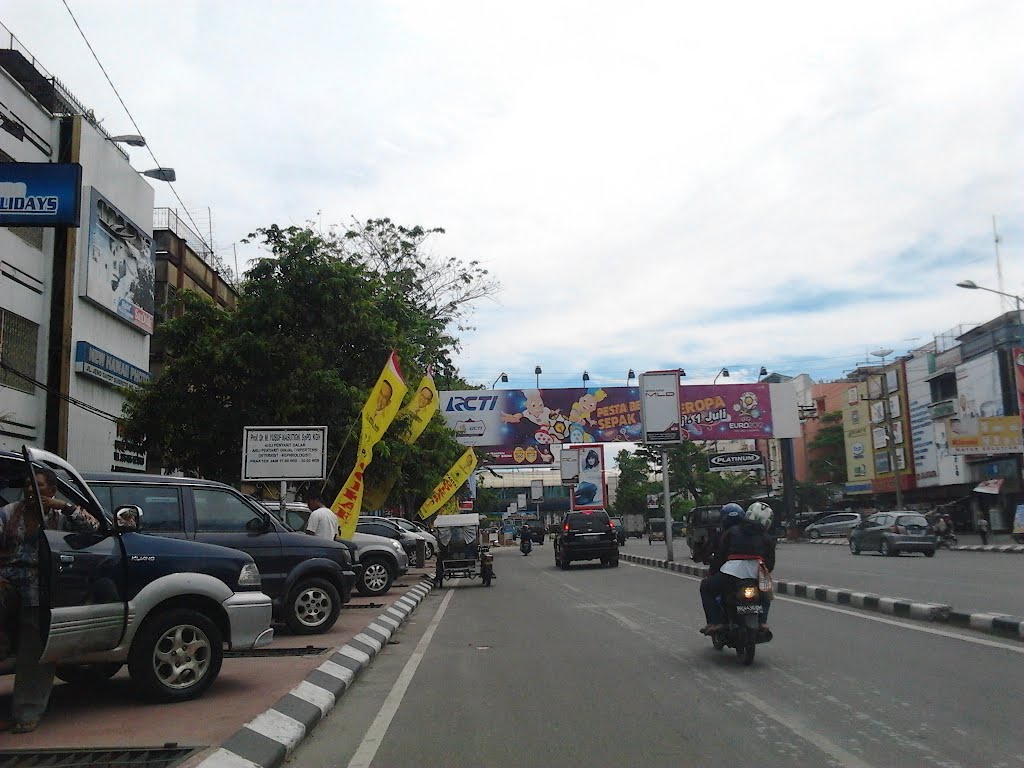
(88, 674)
(615, 561)
(564, 565)
(854, 547)
(313, 607)
(929, 553)
(815, 533)
(176, 655)
(886, 549)
(375, 579)
(429, 550)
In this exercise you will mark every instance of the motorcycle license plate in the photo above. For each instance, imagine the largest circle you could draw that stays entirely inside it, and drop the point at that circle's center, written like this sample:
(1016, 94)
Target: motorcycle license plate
(749, 609)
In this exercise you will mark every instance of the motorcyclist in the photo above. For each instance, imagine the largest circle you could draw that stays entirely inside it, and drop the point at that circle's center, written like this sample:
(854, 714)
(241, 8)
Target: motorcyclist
(525, 538)
(742, 546)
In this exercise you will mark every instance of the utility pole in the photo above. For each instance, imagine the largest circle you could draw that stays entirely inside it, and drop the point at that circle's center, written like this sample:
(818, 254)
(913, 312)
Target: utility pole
(668, 506)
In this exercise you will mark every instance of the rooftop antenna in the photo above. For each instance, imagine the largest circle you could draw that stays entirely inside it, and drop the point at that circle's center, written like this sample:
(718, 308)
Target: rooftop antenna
(1003, 300)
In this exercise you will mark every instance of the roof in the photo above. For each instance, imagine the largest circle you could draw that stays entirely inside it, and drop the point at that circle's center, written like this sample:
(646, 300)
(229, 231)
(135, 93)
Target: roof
(455, 521)
(135, 478)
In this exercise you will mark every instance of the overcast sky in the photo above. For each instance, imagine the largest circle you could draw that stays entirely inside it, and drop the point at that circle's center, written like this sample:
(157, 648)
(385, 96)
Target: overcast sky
(654, 185)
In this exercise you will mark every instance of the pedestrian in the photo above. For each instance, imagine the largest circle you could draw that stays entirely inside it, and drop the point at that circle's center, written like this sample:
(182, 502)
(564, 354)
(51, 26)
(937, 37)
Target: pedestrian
(322, 521)
(983, 528)
(20, 545)
(940, 527)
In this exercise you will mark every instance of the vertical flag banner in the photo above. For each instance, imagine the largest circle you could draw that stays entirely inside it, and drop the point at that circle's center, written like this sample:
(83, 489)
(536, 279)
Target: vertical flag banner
(378, 413)
(421, 408)
(450, 483)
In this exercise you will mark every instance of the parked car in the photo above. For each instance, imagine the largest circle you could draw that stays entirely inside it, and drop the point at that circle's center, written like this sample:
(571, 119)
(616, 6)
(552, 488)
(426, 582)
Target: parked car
(309, 579)
(120, 596)
(381, 526)
(893, 532)
(586, 535)
(381, 559)
(410, 527)
(836, 524)
(620, 530)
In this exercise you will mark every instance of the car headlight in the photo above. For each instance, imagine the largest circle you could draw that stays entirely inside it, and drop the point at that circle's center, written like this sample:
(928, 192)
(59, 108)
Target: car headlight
(250, 576)
(396, 545)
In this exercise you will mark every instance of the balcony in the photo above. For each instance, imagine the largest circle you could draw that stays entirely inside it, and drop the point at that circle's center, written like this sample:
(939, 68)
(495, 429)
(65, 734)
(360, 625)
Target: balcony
(943, 409)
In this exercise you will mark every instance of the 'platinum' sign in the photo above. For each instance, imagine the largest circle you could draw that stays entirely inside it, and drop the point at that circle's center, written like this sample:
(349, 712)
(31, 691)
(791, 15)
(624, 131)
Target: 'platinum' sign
(735, 462)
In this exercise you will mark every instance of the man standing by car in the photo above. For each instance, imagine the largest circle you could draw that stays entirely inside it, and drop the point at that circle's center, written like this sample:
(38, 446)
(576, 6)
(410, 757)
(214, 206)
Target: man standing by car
(322, 522)
(20, 547)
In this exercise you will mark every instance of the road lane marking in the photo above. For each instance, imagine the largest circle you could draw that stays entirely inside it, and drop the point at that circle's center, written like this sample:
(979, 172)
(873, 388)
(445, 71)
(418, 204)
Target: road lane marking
(375, 734)
(859, 615)
(797, 725)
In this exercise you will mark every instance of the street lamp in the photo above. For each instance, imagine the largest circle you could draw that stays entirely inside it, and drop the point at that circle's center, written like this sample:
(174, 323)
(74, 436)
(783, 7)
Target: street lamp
(682, 373)
(586, 378)
(973, 286)
(762, 372)
(724, 372)
(537, 372)
(630, 376)
(502, 378)
(131, 139)
(161, 174)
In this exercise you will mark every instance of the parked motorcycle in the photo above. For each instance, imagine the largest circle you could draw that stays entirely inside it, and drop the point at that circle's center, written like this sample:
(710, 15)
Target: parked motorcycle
(743, 608)
(525, 544)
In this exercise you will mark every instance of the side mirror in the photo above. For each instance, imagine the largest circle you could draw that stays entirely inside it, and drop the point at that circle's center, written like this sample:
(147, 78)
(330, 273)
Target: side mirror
(128, 518)
(256, 525)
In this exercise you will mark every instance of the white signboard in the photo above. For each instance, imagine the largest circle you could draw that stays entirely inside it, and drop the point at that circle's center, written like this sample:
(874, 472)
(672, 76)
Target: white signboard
(536, 491)
(521, 500)
(284, 453)
(569, 463)
(659, 407)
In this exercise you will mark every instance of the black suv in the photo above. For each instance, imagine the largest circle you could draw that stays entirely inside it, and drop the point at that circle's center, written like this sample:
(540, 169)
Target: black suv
(586, 535)
(117, 596)
(537, 531)
(308, 578)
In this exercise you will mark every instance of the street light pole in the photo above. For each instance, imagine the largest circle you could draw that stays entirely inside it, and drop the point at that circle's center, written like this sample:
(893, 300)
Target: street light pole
(973, 286)
(669, 556)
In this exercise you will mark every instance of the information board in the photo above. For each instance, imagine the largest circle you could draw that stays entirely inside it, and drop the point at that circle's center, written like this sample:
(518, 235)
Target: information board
(284, 453)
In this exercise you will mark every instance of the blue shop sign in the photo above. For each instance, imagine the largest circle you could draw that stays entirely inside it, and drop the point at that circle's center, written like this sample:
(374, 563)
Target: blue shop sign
(40, 194)
(99, 364)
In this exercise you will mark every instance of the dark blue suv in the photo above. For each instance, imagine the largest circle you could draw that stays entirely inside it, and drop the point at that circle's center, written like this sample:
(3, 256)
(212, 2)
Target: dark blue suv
(308, 578)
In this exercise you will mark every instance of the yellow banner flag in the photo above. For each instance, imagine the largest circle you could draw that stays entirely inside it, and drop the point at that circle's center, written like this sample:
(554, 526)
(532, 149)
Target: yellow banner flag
(450, 483)
(379, 411)
(451, 507)
(421, 408)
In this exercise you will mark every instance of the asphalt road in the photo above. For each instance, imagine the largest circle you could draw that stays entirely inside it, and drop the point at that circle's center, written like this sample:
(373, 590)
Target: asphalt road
(605, 667)
(969, 581)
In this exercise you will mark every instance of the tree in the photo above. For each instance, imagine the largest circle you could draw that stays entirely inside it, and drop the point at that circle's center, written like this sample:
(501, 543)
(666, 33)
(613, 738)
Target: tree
(828, 450)
(810, 496)
(314, 324)
(634, 484)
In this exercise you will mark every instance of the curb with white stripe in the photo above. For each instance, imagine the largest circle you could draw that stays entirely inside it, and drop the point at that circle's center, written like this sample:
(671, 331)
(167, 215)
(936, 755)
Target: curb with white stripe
(992, 623)
(268, 740)
(1016, 549)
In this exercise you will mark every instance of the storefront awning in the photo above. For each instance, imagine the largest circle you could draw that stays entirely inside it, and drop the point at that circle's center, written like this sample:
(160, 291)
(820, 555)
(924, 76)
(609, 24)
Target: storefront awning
(989, 486)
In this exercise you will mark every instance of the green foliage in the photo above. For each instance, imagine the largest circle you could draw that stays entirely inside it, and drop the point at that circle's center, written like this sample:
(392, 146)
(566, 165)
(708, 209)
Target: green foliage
(315, 322)
(827, 451)
(634, 484)
(810, 496)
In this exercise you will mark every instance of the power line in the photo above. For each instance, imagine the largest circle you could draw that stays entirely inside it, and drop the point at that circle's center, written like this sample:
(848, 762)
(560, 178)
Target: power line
(132, 119)
(66, 398)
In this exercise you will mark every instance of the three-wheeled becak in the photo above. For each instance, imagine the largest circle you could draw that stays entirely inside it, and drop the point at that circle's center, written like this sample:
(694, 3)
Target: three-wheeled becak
(461, 552)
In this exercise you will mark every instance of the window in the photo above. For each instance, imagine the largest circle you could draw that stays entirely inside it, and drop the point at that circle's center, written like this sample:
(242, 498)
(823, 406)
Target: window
(219, 511)
(161, 507)
(19, 340)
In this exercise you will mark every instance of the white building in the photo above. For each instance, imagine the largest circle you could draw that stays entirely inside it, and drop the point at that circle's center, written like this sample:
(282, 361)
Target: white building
(76, 302)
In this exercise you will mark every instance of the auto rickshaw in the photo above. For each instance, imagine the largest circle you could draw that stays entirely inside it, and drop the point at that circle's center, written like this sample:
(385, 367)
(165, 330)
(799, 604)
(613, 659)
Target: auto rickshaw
(462, 553)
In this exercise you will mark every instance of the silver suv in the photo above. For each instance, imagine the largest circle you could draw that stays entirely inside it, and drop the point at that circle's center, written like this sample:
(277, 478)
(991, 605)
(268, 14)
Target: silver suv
(837, 524)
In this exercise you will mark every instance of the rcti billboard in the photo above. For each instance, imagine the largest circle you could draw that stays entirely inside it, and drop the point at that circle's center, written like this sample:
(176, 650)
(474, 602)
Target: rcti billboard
(515, 424)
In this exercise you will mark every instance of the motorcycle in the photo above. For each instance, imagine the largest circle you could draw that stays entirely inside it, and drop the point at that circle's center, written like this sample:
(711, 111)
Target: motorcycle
(525, 544)
(948, 541)
(743, 608)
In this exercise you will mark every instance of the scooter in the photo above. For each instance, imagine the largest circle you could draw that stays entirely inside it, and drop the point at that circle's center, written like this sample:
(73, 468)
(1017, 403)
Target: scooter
(743, 608)
(525, 544)
(949, 540)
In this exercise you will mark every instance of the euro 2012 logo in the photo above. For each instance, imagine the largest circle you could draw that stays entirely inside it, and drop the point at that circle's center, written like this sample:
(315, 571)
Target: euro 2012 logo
(747, 406)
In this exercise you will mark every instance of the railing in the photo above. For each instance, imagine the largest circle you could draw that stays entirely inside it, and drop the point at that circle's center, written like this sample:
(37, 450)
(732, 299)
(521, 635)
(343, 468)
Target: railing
(167, 218)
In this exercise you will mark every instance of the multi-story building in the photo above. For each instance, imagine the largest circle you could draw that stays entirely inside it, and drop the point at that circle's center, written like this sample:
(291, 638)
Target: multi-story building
(76, 301)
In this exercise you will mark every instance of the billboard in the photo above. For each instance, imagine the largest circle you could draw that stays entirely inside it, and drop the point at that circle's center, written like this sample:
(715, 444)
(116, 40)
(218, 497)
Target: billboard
(735, 462)
(569, 466)
(120, 271)
(980, 425)
(857, 436)
(589, 492)
(659, 407)
(284, 453)
(514, 421)
(922, 429)
(40, 194)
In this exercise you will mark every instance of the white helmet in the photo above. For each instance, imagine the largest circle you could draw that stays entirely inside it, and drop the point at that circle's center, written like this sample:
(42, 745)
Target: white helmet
(761, 513)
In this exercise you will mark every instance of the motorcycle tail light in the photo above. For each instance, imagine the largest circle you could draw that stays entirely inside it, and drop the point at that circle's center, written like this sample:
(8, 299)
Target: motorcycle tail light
(749, 592)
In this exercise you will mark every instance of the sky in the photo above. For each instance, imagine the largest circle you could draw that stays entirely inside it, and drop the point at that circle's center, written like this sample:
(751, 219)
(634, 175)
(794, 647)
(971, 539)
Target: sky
(654, 185)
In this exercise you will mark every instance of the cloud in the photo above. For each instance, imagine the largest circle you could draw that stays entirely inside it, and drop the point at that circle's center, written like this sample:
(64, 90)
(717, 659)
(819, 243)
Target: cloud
(787, 186)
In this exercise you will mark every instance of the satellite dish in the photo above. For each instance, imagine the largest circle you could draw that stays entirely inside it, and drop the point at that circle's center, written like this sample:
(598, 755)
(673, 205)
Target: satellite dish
(881, 352)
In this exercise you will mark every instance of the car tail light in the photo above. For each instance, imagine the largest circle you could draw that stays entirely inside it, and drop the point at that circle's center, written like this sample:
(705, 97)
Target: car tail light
(565, 527)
